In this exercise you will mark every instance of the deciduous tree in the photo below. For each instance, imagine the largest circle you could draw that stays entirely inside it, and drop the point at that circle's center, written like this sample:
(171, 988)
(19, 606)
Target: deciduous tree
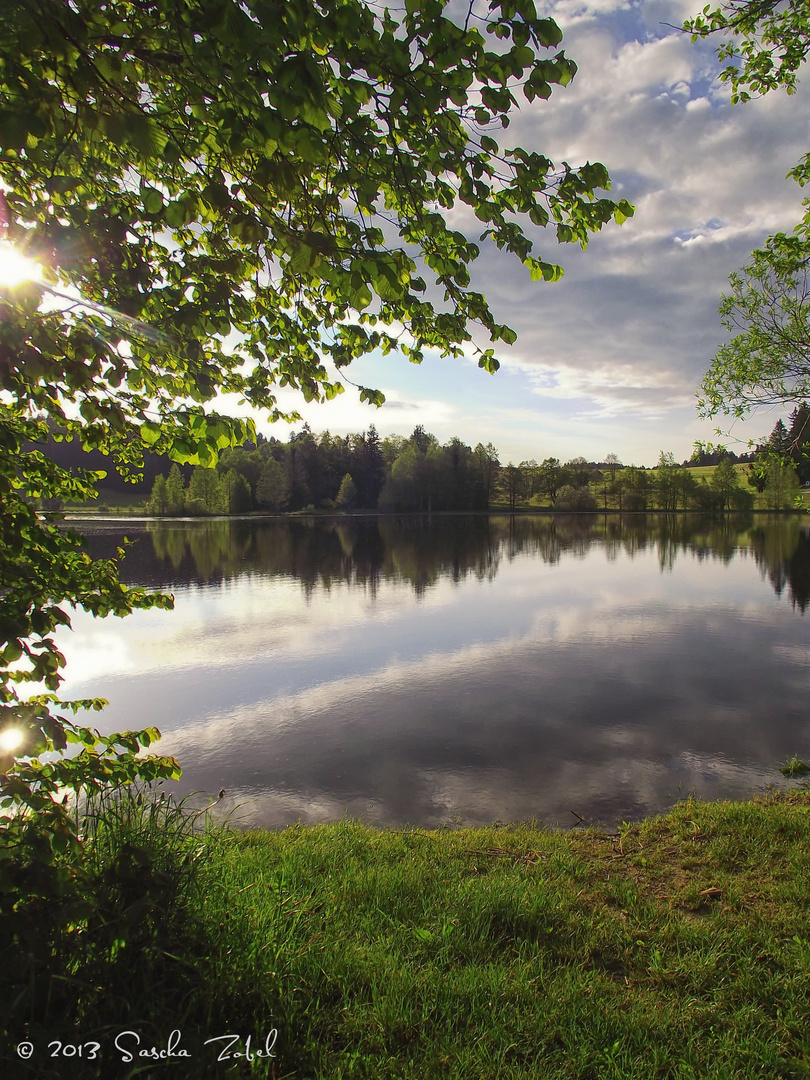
(272, 489)
(767, 312)
(552, 477)
(765, 41)
(205, 493)
(575, 498)
(613, 464)
(724, 483)
(486, 465)
(261, 170)
(579, 472)
(635, 484)
(513, 484)
(347, 494)
(158, 502)
(236, 497)
(767, 361)
(666, 481)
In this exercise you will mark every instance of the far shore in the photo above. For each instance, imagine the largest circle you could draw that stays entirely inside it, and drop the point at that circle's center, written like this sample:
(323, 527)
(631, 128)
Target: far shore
(111, 513)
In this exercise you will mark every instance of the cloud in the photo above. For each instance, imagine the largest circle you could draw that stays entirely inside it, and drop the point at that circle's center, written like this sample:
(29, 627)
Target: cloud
(632, 326)
(608, 738)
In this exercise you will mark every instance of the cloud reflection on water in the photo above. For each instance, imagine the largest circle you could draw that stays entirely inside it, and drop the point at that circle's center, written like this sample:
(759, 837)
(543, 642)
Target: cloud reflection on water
(609, 684)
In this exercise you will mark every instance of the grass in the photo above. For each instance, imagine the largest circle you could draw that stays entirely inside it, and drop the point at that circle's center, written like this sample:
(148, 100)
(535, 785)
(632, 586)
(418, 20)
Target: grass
(707, 471)
(677, 948)
(794, 766)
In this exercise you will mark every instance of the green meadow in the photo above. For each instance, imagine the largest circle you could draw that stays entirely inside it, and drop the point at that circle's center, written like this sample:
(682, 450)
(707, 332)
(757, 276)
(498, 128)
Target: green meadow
(678, 947)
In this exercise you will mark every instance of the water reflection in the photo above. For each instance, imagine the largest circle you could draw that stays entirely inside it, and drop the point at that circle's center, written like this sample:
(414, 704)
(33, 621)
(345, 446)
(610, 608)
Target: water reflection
(423, 549)
(784, 557)
(425, 670)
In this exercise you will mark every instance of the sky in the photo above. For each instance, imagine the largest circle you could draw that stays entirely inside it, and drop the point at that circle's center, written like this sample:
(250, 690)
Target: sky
(609, 359)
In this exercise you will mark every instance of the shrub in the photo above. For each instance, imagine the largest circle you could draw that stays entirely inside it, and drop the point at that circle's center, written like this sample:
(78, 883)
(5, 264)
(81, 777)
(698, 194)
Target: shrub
(634, 501)
(571, 498)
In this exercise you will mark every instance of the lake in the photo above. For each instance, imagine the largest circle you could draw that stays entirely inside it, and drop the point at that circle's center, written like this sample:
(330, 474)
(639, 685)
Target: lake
(459, 669)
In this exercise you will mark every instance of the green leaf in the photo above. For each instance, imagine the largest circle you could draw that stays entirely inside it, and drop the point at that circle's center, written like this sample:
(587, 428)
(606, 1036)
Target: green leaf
(303, 259)
(488, 362)
(623, 211)
(548, 32)
(152, 201)
(373, 397)
(182, 450)
(150, 432)
(359, 295)
(12, 652)
(181, 211)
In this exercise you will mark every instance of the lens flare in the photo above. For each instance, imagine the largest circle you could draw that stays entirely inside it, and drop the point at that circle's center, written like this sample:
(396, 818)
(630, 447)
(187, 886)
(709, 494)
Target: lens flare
(16, 268)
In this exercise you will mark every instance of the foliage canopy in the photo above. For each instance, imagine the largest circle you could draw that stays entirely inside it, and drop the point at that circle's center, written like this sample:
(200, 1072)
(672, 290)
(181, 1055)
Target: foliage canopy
(263, 184)
(766, 43)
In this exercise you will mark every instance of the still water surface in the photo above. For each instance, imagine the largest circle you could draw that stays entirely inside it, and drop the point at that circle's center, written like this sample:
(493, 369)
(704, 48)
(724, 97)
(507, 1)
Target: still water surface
(460, 669)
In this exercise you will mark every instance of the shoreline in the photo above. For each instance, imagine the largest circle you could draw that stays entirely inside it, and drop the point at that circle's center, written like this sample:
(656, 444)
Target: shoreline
(116, 513)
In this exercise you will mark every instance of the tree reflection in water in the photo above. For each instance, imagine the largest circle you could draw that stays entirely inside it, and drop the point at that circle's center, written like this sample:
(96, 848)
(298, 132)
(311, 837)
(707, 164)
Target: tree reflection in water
(423, 549)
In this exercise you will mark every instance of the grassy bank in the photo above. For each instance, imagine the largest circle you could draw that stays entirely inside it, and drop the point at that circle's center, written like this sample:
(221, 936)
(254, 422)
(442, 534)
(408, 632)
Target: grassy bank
(678, 948)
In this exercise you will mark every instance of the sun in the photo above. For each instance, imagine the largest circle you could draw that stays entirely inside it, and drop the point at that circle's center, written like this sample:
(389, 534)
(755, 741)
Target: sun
(16, 268)
(10, 739)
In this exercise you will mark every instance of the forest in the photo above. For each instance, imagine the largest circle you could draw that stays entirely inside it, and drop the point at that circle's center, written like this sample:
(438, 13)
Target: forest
(418, 474)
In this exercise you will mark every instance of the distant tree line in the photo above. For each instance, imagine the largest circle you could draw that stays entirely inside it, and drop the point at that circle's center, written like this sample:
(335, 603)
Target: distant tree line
(714, 457)
(362, 472)
(419, 474)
